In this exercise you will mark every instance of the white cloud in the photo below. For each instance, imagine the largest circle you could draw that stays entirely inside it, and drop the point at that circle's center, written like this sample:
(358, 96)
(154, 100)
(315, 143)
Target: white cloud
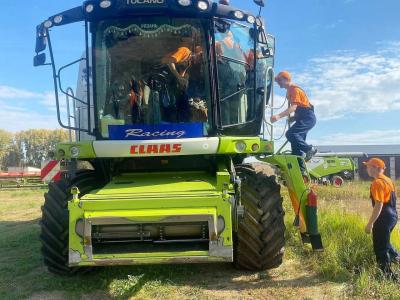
(15, 112)
(14, 95)
(347, 82)
(16, 119)
(369, 137)
(8, 92)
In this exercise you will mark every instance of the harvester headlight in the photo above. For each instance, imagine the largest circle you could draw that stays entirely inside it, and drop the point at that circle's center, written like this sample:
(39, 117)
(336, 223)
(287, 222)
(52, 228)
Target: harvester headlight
(105, 4)
(61, 153)
(239, 15)
(58, 19)
(89, 8)
(255, 147)
(75, 151)
(202, 5)
(48, 24)
(240, 146)
(251, 19)
(185, 2)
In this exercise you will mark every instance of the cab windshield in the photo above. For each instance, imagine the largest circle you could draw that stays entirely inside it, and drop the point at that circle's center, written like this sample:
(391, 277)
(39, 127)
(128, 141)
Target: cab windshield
(152, 71)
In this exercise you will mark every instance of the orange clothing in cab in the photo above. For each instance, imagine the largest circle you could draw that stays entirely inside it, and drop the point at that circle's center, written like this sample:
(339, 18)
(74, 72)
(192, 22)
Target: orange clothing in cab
(180, 55)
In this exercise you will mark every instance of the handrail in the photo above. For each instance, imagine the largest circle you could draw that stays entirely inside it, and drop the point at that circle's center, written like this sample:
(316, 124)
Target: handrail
(70, 94)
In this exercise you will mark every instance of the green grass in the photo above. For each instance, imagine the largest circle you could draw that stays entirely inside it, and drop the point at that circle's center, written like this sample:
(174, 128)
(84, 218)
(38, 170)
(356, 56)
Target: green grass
(23, 274)
(348, 257)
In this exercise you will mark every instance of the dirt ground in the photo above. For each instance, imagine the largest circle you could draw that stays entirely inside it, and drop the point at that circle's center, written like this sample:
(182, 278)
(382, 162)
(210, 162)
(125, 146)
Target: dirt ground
(291, 281)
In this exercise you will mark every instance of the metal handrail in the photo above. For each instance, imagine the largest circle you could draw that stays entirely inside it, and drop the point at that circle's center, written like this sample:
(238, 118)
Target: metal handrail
(68, 95)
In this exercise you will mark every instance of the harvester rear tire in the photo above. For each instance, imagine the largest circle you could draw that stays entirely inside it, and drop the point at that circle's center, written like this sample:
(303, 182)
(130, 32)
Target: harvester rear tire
(55, 221)
(337, 181)
(260, 240)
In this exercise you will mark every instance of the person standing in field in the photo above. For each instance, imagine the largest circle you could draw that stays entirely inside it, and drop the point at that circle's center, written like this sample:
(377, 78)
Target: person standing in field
(303, 114)
(384, 216)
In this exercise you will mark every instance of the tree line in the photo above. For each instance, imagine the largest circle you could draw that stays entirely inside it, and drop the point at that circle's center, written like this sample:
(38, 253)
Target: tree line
(28, 148)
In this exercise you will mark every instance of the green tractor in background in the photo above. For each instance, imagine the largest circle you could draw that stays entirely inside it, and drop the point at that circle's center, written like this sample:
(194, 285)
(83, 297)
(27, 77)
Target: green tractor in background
(172, 99)
(327, 168)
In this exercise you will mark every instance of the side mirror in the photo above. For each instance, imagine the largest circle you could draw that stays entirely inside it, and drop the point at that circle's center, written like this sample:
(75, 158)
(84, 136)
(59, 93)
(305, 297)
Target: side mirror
(39, 60)
(40, 44)
(259, 2)
(266, 52)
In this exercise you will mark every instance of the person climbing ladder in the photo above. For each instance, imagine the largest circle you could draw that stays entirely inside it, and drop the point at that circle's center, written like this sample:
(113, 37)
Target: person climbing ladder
(303, 115)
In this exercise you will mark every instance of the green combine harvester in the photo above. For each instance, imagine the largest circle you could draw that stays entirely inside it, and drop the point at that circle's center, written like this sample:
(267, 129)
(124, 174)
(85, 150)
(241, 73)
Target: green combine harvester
(173, 97)
(328, 168)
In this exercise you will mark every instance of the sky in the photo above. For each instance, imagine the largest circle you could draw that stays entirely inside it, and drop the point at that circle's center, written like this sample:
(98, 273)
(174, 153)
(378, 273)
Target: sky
(344, 53)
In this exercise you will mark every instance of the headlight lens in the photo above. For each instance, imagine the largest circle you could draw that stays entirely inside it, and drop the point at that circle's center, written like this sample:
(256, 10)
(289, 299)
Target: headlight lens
(89, 8)
(255, 147)
(202, 5)
(58, 19)
(239, 15)
(240, 146)
(251, 19)
(75, 151)
(185, 2)
(105, 4)
(61, 153)
(48, 24)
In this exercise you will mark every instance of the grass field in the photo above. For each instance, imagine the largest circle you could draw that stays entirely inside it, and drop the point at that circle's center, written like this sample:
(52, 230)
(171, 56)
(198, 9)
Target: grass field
(346, 268)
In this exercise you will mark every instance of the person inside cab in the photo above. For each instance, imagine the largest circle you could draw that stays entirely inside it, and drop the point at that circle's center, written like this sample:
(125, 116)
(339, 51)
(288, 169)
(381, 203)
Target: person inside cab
(187, 84)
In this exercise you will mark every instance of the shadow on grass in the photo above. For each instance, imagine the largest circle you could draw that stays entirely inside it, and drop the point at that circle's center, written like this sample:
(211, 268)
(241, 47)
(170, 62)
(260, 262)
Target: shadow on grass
(23, 274)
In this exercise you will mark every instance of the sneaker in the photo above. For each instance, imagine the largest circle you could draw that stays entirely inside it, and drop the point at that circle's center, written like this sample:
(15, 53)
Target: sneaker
(311, 153)
(395, 260)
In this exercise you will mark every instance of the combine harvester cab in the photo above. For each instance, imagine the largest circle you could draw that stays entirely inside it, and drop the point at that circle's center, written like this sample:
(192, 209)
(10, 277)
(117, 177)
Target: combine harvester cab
(171, 102)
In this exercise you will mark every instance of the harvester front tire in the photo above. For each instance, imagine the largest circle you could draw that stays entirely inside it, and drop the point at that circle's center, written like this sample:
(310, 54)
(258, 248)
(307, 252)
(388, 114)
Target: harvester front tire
(260, 240)
(55, 222)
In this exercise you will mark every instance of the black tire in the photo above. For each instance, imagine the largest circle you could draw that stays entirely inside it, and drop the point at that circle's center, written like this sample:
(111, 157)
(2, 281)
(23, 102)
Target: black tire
(260, 240)
(55, 221)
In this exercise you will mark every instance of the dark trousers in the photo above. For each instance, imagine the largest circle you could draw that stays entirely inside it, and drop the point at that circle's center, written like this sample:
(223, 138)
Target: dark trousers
(384, 251)
(297, 134)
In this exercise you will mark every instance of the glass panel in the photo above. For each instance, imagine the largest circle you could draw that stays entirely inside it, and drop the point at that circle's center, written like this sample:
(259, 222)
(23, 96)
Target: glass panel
(152, 71)
(235, 59)
(263, 64)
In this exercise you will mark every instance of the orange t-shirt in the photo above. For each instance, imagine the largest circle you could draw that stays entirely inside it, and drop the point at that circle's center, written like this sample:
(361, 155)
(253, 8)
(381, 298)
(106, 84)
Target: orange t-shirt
(181, 54)
(297, 96)
(382, 188)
